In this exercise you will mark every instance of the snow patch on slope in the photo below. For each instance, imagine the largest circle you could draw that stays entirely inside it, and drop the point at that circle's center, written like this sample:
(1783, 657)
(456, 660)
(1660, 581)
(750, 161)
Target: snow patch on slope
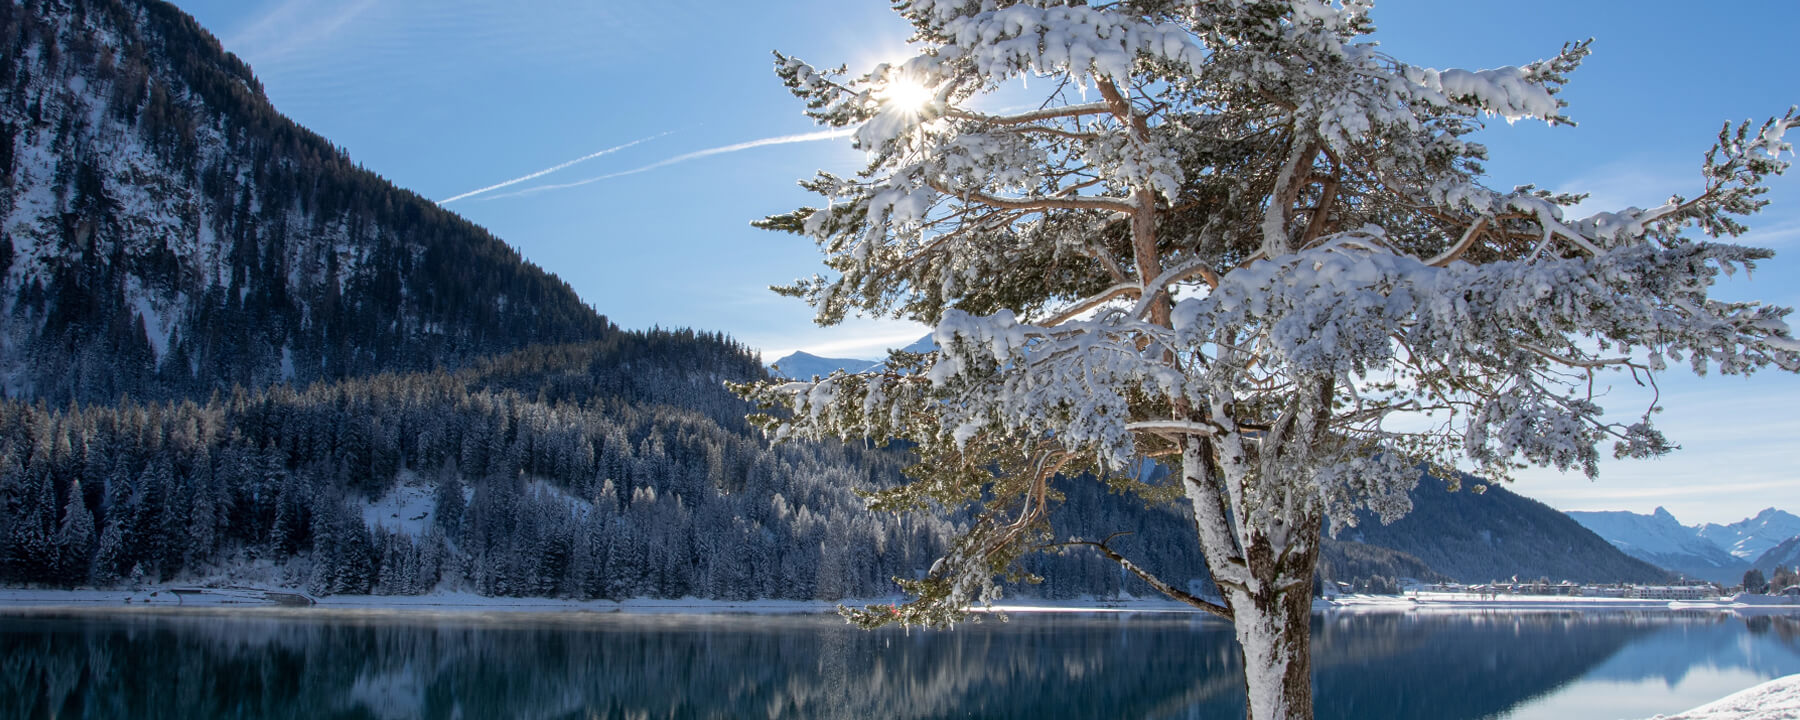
(406, 508)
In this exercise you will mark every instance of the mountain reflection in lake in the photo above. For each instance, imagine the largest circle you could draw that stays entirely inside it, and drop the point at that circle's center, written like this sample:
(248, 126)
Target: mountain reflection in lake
(313, 665)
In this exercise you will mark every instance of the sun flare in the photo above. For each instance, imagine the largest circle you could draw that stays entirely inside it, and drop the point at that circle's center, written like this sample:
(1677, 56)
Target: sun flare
(905, 94)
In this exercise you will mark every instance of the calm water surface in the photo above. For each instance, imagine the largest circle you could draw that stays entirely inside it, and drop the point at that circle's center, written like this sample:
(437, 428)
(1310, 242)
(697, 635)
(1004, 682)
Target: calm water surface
(242, 664)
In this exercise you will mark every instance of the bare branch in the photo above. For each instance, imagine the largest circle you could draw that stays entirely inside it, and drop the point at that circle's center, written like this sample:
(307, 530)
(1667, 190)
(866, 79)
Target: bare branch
(1118, 205)
(1155, 582)
(1065, 111)
(1089, 303)
(1547, 354)
(1455, 251)
(1179, 427)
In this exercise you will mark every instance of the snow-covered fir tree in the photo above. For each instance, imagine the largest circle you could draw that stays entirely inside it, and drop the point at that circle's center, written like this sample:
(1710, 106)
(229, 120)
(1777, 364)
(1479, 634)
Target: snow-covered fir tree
(1239, 238)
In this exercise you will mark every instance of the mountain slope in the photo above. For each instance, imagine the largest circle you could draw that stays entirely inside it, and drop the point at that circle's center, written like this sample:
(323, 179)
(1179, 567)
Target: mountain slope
(164, 232)
(626, 470)
(1659, 539)
(1496, 534)
(1787, 555)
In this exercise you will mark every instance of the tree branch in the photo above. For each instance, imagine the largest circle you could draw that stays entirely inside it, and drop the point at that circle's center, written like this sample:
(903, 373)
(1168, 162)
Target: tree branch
(1089, 303)
(1182, 427)
(1065, 111)
(1573, 362)
(1155, 582)
(1455, 251)
(1118, 205)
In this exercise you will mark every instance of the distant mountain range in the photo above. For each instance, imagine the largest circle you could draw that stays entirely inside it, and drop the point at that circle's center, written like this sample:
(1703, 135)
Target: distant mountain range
(803, 365)
(1709, 551)
(1752, 537)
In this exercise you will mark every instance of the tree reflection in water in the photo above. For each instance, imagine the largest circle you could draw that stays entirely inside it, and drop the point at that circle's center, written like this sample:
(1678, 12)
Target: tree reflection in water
(312, 665)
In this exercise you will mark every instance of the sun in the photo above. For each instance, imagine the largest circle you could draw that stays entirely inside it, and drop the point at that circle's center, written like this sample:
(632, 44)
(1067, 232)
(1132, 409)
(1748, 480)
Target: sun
(905, 94)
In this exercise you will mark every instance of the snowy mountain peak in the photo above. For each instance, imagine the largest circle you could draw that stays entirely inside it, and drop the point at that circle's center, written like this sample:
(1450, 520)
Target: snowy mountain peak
(801, 365)
(1710, 550)
(1751, 537)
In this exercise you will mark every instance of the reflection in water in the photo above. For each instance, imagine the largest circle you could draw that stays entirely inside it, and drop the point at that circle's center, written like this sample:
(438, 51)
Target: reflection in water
(308, 665)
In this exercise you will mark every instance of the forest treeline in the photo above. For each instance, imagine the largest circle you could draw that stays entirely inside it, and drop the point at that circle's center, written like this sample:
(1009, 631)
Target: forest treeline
(615, 477)
(618, 468)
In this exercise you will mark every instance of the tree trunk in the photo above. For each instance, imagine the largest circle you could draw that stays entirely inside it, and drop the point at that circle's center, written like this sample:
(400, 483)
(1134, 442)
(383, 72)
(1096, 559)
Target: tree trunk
(1269, 593)
(1274, 635)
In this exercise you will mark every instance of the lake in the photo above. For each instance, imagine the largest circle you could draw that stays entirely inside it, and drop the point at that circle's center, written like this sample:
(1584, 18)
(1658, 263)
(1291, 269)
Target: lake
(311, 664)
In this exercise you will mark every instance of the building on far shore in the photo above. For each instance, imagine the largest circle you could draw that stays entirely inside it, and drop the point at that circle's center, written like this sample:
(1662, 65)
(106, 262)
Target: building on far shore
(1672, 592)
(1700, 591)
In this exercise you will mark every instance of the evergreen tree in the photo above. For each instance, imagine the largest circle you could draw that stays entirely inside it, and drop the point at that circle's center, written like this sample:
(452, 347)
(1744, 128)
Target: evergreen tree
(74, 541)
(449, 504)
(1783, 580)
(1236, 236)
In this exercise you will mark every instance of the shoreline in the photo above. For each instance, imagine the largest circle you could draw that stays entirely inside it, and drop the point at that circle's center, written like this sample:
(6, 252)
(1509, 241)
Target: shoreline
(1777, 699)
(246, 598)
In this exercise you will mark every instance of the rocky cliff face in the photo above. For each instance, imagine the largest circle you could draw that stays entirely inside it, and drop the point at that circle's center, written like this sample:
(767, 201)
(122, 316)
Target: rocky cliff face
(164, 232)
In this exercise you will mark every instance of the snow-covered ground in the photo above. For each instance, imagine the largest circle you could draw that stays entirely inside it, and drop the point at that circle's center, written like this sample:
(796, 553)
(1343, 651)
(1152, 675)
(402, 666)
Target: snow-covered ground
(1777, 699)
(165, 596)
(1441, 601)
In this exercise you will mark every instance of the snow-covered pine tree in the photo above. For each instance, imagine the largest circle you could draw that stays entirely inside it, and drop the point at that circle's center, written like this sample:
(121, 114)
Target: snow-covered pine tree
(1238, 237)
(74, 540)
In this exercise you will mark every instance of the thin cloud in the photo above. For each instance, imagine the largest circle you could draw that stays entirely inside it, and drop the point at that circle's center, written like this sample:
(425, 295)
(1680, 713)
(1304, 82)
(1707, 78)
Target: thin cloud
(548, 170)
(697, 154)
(294, 26)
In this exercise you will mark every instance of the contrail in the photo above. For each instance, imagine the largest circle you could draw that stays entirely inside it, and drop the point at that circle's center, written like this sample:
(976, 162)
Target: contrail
(548, 170)
(782, 140)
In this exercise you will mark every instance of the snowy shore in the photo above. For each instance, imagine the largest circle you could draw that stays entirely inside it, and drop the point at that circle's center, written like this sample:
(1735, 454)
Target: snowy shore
(178, 596)
(1777, 699)
(1434, 601)
(167, 597)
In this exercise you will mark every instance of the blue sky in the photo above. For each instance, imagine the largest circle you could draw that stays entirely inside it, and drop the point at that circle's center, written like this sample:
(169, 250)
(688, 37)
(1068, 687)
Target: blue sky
(678, 106)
